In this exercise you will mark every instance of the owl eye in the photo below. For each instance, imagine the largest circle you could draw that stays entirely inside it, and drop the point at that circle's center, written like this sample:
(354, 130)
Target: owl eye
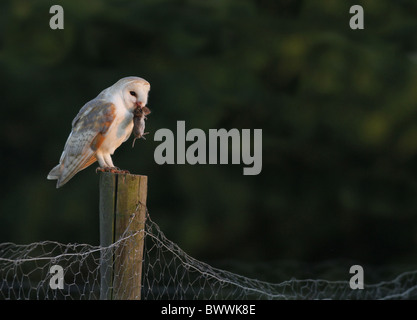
(133, 93)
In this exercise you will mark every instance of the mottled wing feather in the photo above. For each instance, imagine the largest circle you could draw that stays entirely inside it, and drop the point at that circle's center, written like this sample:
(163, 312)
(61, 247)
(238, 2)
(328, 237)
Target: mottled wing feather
(89, 130)
(89, 162)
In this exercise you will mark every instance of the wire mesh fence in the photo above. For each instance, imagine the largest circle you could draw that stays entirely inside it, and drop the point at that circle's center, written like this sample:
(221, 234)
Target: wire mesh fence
(167, 272)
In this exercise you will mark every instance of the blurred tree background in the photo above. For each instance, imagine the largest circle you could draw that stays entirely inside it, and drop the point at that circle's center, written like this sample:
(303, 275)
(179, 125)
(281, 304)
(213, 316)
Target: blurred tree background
(338, 110)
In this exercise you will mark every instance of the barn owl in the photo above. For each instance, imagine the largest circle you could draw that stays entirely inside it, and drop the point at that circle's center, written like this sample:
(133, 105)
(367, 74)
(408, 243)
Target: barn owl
(100, 127)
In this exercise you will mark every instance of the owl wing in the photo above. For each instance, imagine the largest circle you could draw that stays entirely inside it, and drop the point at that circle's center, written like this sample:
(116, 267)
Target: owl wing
(89, 130)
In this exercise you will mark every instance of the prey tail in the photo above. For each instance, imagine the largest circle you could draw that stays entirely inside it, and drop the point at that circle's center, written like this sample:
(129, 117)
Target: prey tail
(138, 137)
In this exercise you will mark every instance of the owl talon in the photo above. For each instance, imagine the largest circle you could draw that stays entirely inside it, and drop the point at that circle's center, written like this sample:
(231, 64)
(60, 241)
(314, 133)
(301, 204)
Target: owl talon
(111, 169)
(100, 169)
(119, 171)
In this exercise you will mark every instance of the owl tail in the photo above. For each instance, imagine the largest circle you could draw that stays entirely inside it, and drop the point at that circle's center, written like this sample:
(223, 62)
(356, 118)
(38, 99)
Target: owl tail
(55, 173)
(64, 171)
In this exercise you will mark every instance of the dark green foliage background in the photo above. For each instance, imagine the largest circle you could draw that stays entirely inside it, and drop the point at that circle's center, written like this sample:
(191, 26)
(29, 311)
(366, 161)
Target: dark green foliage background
(338, 110)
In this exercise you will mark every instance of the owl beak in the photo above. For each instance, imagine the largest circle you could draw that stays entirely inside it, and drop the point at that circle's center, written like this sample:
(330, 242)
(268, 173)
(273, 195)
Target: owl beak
(140, 104)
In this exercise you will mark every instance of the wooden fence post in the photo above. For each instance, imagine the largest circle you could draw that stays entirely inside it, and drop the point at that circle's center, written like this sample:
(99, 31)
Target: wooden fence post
(122, 215)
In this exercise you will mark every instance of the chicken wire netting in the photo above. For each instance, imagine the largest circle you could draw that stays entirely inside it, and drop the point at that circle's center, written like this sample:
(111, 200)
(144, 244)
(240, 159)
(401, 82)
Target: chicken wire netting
(162, 270)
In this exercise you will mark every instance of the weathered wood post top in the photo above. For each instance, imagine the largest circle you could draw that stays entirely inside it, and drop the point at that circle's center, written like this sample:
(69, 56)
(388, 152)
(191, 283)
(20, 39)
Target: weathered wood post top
(122, 216)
